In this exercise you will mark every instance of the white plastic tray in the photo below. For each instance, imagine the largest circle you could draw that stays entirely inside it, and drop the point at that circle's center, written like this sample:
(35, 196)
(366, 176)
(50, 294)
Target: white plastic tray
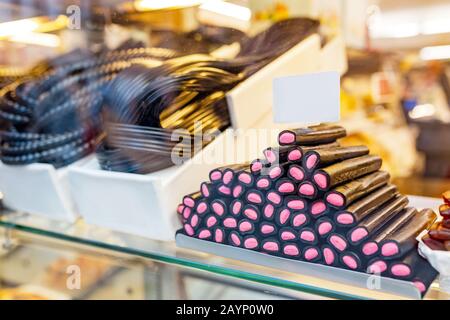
(39, 189)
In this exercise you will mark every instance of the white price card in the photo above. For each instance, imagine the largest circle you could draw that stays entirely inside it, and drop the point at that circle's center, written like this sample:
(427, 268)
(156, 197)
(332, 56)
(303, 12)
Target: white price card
(307, 98)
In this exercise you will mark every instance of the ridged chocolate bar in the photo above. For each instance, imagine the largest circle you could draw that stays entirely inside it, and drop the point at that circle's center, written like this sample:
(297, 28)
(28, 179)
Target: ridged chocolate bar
(360, 209)
(377, 220)
(318, 134)
(371, 247)
(318, 158)
(404, 240)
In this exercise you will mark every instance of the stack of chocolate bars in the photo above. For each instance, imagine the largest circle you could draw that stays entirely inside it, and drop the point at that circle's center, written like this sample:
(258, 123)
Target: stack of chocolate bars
(312, 200)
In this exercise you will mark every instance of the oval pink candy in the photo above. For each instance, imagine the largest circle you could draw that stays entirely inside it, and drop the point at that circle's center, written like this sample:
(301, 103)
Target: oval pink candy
(230, 223)
(204, 234)
(296, 204)
(307, 236)
(235, 239)
(250, 243)
(266, 229)
(254, 197)
(294, 155)
(299, 220)
(296, 173)
(218, 208)
(284, 215)
(306, 189)
(219, 235)
(311, 254)
(287, 235)
(270, 246)
(245, 226)
(318, 208)
(268, 211)
(251, 214)
(262, 183)
(275, 198)
(201, 208)
(350, 262)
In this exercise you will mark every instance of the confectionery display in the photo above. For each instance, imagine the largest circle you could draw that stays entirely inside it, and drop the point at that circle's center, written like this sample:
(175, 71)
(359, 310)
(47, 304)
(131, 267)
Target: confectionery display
(438, 238)
(54, 115)
(312, 200)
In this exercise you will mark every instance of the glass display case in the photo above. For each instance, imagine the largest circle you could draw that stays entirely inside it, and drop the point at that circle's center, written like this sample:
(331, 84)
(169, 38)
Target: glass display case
(37, 253)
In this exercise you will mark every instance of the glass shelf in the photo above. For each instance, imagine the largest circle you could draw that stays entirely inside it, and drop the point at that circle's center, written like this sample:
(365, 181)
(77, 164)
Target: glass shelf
(166, 253)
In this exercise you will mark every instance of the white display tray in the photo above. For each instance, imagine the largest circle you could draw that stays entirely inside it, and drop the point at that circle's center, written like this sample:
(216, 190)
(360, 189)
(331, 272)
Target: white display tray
(348, 277)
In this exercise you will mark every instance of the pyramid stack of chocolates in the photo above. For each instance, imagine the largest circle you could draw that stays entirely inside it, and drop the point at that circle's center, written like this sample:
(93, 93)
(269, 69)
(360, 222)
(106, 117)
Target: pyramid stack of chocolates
(312, 200)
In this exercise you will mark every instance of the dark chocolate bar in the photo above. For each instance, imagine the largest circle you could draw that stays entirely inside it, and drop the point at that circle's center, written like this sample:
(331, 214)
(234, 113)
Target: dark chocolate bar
(190, 199)
(312, 135)
(424, 276)
(376, 220)
(344, 171)
(291, 250)
(322, 157)
(236, 207)
(307, 189)
(405, 268)
(267, 229)
(287, 234)
(271, 245)
(318, 208)
(299, 220)
(324, 226)
(312, 254)
(308, 236)
(347, 193)
(330, 257)
(362, 208)
(338, 242)
(245, 177)
(283, 216)
(263, 183)
(251, 242)
(219, 207)
(296, 173)
(285, 186)
(404, 239)
(295, 203)
(254, 197)
(350, 260)
(246, 226)
(252, 212)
